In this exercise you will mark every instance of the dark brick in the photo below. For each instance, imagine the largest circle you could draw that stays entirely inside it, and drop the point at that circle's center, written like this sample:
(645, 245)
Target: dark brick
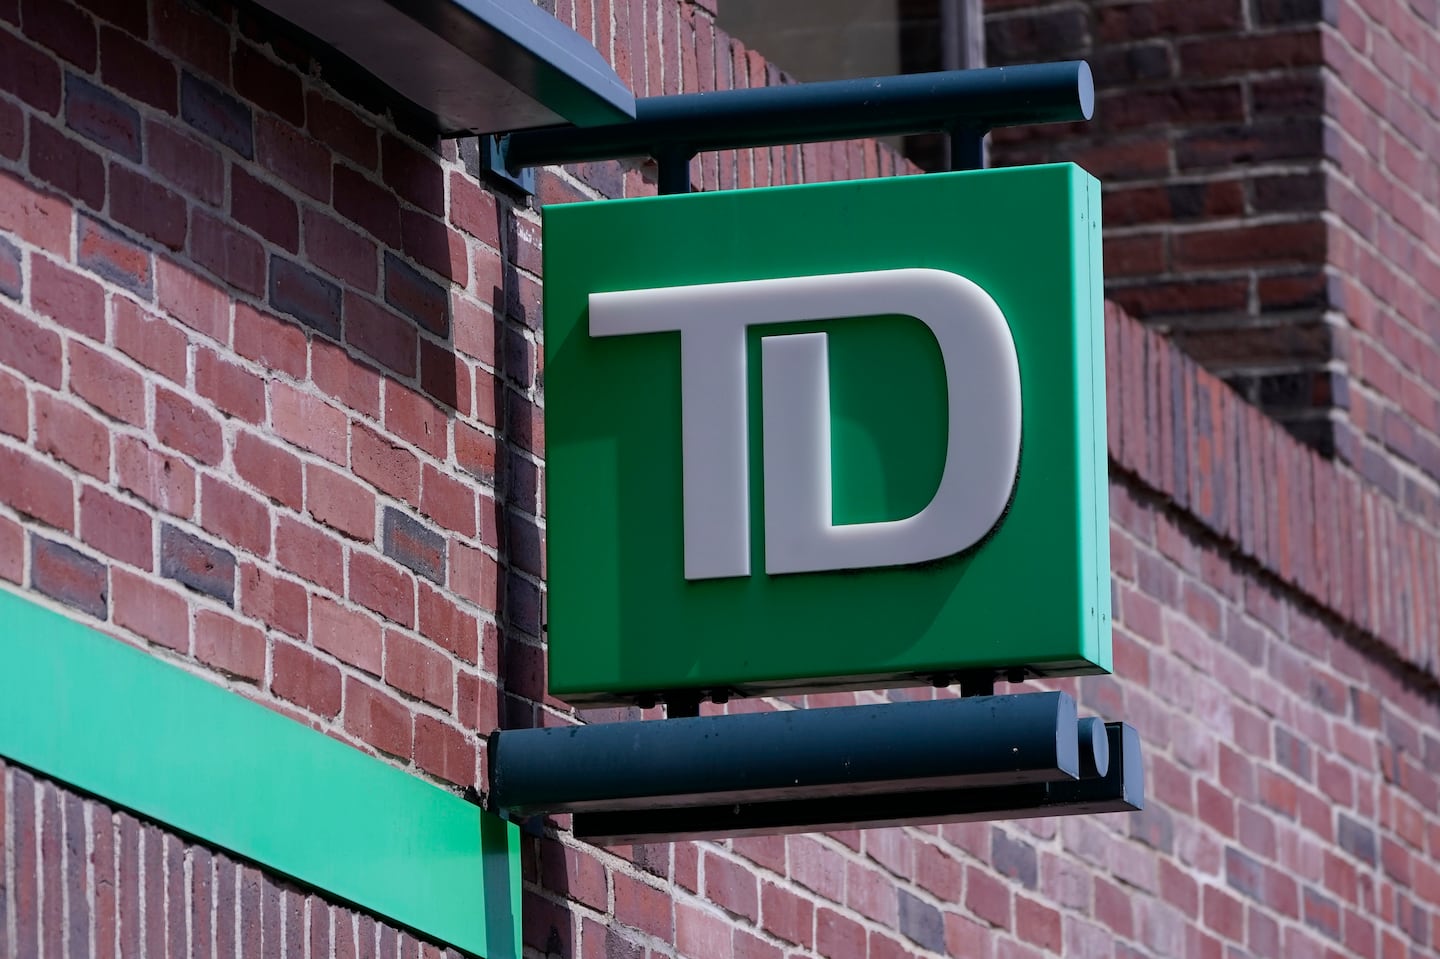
(201, 566)
(98, 115)
(66, 164)
(217, 114)
(1291, 751)
(921, 922)
(304, 295)
(111, 256)
(1356, 839)
(419, 298)
(1244, 874)
(414, 545)
(11, 279)
(69, 576)
(1013, 858)
(147, 207)
(137, 71)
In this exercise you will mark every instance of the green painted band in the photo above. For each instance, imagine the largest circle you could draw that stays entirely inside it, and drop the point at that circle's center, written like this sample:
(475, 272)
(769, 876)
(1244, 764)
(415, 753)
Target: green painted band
(141, 733)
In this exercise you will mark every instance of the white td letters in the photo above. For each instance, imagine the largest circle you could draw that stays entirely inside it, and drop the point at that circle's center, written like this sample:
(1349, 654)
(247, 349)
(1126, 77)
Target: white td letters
(983, 444)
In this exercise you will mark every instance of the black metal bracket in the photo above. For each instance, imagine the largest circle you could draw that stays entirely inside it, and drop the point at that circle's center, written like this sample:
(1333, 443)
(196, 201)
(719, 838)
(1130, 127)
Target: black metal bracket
(806, 769)
(965, 104)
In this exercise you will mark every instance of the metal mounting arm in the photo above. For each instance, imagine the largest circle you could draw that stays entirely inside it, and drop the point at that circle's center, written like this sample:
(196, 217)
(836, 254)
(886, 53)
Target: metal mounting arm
(966, 104)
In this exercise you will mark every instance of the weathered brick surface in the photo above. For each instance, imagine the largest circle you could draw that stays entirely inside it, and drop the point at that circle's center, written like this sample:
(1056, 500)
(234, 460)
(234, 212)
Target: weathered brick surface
(1268, 202)
(271, 402)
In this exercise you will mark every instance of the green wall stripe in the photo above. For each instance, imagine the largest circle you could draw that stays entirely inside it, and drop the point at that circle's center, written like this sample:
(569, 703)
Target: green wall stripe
(90, 711)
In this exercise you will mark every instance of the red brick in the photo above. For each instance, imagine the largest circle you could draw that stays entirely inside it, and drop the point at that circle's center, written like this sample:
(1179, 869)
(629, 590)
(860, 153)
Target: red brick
(183, 426)
(264, 209)
(233, 255)
(193, 35)
(235, 648)
(417, 669)
(381, 334)
(382, 588)
(448, 501)
(117, 529)
(701, 932)
(443, 622)
(345, 379)
(163, 481)
(234, 516)
(232, 388)
(269, 85)
(278, 603)
(196, 302)
(351, 636)
(416, 420)
(838, 936)
(643, 907)
(474, 575)
(377, 719)
(310, 553)
(732, 886)
(270, 341)
(445, 751)
(134, 69)
(300, 677)
(147, 207)
(308, 422)
(987, 897)
(29, 73)
(71, 299)
(433, 245)
(66, 164)
(70, 434)
(366, 203)
(340, 251)
(476, 451)
(1038, 924)
(150, 340)
(337, 126)
(34, 488)
(14, 407)
(273, 471)
(293, 157)
(786, 915)
(340, 503)
(391, 468)
(472, 209)
(29, 348)
(193, 166)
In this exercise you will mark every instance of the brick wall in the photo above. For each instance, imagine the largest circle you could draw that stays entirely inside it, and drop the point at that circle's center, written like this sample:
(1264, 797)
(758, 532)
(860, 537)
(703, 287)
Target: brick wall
(271, 407)
(1209, 136)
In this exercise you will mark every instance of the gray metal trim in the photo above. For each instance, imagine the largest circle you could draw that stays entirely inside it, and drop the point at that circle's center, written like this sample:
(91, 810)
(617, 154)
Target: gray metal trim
(477, 66)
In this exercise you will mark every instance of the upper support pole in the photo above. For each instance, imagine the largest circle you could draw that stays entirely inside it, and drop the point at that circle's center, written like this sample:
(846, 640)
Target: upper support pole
(964, 103)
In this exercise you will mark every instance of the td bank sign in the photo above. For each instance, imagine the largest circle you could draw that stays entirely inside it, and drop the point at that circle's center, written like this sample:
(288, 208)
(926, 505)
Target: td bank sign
(828, 436)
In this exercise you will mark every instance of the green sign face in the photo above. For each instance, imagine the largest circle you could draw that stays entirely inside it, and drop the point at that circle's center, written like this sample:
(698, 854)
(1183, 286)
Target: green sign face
(833, 436)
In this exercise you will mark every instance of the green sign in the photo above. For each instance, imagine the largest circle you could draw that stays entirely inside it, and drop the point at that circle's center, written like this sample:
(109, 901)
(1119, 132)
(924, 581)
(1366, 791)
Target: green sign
(832, 436)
